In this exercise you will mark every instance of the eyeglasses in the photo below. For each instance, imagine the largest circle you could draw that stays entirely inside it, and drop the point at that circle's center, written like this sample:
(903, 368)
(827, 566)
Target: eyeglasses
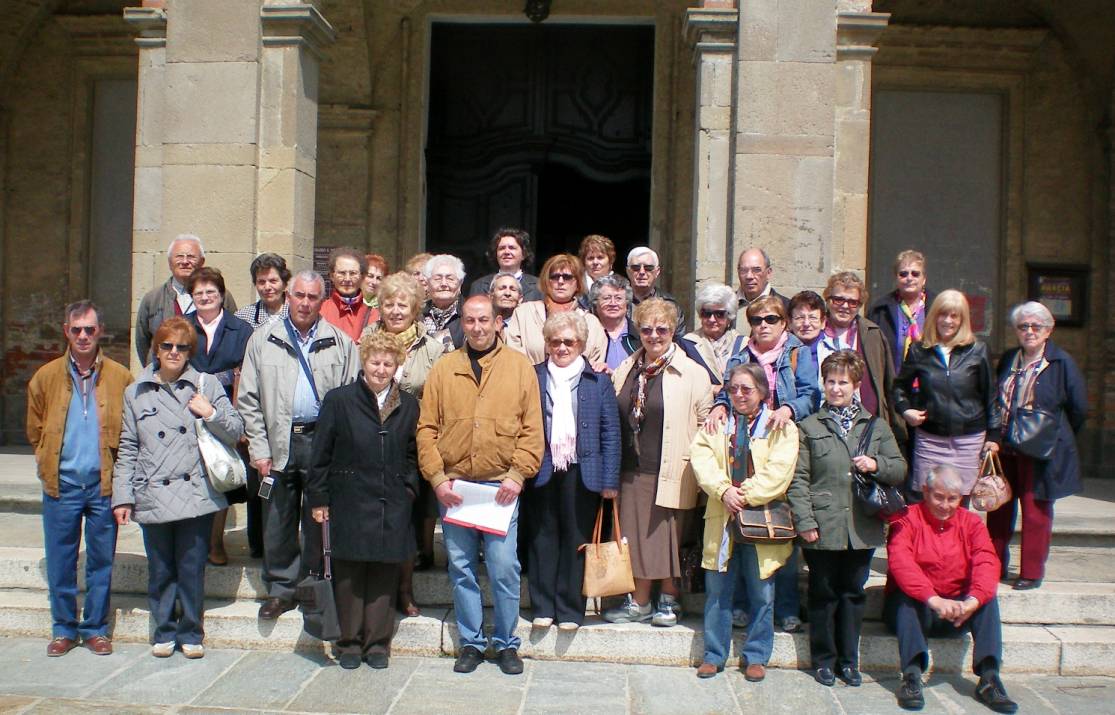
(559, 277)
(1029, 327)
(76, 330)
(741, 389)
(641, 267)
(841, 300)
(559, 342)
(807, 319)
(174, 347)
(915, 274)
(444, 278)
(211, 293)
(753, 270)
(659, 330)
(612, 299)
(347, 274)
(756, 320)
(718, 314)
(186, 257)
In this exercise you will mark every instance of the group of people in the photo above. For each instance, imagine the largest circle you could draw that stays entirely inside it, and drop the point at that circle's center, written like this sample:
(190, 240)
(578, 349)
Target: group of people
(359, 410)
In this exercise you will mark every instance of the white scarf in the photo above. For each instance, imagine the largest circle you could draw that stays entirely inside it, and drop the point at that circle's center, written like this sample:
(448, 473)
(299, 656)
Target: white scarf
(563, 426)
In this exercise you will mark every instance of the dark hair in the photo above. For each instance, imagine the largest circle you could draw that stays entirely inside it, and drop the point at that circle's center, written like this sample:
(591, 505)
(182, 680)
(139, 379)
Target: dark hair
(270, 260)
(521, 237)
(205, 274)
(843, 361)
(80, 307)
(347, 252)
(175, 326)
(807, 299)
(374, 259)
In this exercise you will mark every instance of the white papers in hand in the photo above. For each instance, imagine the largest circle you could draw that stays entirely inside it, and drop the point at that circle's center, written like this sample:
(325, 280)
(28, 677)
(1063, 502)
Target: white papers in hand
(478, 508)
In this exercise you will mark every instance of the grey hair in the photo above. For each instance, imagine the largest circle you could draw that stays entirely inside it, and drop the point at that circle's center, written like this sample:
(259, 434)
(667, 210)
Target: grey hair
(946, 478)
(186, 237)
(613, 280)
(496, 277)
(458, 266)
(757, 374)
(718, 294)
(1033, 309)
(640, 250)
(306, 276)
(766, 256)
(569, 319)
(80, 307)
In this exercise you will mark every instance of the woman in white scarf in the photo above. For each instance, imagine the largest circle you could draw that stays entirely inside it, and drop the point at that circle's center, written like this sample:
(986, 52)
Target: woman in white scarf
(581, 465)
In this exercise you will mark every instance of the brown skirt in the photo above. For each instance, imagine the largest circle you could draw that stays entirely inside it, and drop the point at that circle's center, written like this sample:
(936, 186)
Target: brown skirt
(651, 530)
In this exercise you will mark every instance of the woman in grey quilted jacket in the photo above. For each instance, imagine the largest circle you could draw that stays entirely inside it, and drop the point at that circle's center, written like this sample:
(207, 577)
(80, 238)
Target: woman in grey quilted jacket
(160, 482)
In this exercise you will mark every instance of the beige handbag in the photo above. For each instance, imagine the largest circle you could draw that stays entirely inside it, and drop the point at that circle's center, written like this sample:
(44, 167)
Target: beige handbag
(991, 490)
(607, 565)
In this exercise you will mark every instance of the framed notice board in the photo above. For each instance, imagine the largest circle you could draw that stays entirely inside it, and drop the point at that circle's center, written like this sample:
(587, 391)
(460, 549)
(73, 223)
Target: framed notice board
(1063, 289)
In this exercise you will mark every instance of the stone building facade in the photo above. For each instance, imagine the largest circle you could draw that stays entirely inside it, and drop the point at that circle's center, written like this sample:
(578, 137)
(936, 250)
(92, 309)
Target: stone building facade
(830, 132)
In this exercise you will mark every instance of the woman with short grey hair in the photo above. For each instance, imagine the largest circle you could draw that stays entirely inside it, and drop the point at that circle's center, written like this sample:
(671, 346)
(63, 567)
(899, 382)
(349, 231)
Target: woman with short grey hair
(445, 274)
(1036, 378)
(715, 338)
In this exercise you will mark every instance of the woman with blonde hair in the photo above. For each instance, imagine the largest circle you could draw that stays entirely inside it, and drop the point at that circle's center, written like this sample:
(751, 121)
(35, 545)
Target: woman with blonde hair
(953, 409)
(561, 283)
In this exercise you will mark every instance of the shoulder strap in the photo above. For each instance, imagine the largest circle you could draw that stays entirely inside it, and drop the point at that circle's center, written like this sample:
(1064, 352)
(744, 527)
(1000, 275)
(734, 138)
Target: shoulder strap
(794, 359)
(302, 359)
(865, 438)
(737, 344)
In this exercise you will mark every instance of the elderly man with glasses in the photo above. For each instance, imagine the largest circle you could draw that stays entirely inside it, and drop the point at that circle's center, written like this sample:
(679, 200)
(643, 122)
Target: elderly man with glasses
(643, 269)
(755, 269)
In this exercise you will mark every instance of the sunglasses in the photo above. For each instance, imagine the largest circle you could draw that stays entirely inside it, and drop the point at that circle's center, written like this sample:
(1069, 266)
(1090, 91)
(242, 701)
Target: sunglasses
(559, 342)
(915, 274)
(558, 277)
(755, 320)
(718, 314)
(174, 347)
(642, 267)
(659, 330)
(76, 330)
(741, 389)
(841, 300)
(1029, 327)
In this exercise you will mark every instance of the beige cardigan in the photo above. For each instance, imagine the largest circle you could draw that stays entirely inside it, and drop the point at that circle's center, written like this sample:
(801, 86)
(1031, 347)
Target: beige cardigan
(524, 333)
(687, 393)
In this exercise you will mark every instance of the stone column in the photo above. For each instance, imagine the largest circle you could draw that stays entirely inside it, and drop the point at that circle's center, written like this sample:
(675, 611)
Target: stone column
(713, 30)
(227, 133)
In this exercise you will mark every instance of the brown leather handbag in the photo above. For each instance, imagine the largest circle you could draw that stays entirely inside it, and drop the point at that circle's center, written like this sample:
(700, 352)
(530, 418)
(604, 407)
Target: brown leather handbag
(607, 565)
(770, 523)
(991, 490)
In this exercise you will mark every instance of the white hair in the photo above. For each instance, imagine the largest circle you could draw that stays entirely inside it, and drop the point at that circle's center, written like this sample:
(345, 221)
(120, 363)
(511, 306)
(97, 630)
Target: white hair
(1032, 309)
(945, 478)
(718, 294)
(458, 266)
(306, 276)
(639, 251)
(186, 237)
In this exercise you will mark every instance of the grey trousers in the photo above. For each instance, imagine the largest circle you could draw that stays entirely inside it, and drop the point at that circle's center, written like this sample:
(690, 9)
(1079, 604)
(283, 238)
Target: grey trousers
(287, 553)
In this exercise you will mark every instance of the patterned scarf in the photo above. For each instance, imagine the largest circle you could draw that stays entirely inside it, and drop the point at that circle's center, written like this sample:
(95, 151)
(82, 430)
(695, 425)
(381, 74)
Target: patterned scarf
(722, 349)
(553, 308)
(407, 337)
(844, 416)
(437, 318)
(741, 431)
(767, 361)
(1018, 388)
(644, 374)
(350, 305)
(915, 317)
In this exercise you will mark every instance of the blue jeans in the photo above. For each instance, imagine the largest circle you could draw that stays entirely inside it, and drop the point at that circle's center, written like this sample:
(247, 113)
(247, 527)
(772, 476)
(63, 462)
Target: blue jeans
(787, 601)
(718, 609)
(176, 555)
(62, 537)
(502, 560)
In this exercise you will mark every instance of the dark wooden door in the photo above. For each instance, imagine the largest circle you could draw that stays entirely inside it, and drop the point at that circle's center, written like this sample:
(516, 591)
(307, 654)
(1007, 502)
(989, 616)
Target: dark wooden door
(544, 127)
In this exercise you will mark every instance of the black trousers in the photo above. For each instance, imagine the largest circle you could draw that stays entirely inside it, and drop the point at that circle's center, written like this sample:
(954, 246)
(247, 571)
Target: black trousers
(836, 602)
(287, 554)
(561, 516)
(365, 593)
(913, 621)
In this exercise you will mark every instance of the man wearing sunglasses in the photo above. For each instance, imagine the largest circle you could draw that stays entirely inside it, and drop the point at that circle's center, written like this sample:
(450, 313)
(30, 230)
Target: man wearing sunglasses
(74, 408)
(901, 313)
(184, 256)
(754, 269)
(643, 270)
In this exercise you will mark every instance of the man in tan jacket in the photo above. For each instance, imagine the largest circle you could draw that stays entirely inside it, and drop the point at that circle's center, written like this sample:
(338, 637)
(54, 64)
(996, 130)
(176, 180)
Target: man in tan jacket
(482, 422)
(74, 407)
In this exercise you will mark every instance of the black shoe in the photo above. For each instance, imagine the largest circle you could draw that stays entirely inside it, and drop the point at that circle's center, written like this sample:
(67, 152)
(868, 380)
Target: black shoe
(990, 692)
(468, 660)
(824, 676)
(423, 562)
(510, 662)
(350, 661)
(909, 692)
(1027, 584)
(850, 675)
(377, 660)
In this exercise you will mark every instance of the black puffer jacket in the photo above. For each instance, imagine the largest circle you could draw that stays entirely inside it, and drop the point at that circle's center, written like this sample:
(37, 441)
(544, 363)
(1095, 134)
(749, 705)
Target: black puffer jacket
(958, 399)
(365, 469)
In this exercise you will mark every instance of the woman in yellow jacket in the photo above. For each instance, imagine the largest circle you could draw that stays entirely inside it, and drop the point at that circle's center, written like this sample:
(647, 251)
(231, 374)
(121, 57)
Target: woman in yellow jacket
(720, 462)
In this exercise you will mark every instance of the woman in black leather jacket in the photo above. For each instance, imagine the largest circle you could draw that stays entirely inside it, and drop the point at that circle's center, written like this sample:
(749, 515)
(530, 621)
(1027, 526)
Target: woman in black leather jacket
(946, 391)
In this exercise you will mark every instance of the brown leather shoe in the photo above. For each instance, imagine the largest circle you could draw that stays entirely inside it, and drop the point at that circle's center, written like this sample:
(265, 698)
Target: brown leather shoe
(60, 646)
(100, 645)
(755, 672)
(708, 670)
(272, 608)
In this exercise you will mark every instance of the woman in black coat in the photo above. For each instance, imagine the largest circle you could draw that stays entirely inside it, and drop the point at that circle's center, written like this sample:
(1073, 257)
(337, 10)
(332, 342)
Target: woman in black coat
(1042, 376)
(363, 479)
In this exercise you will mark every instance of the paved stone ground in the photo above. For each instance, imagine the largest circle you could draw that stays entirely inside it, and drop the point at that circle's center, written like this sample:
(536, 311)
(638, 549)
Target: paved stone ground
(235, 681)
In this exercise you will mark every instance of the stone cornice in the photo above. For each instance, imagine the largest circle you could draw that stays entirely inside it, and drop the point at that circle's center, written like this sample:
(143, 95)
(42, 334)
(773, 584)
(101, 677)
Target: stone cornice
(712, 29)
(98, 35)
(857, 33)
(150, 23)
(345, 118)
(296, 25)
(961, 47)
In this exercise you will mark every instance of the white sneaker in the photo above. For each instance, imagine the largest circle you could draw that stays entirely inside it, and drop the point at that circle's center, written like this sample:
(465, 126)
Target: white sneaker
(629, 612)
(542, 623)
(568, 626)
(667, 613)
(193, 650)
(163, 650)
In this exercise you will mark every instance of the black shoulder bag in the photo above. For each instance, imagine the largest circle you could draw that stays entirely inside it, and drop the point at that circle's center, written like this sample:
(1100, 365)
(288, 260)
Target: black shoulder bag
(875, 499)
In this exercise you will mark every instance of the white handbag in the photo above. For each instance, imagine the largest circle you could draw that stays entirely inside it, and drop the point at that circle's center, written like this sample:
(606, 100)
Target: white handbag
(222, 463)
